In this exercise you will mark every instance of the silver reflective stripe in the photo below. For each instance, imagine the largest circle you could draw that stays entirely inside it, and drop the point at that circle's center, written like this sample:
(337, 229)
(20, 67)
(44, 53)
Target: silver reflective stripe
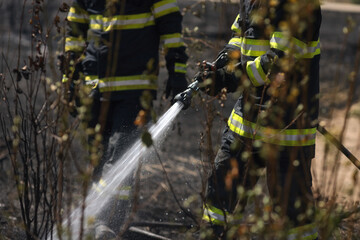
(75, 43)
(214, 215)
(96, 22)
(74, 17)
(284, 44)
(256, 73)
(172, 40)
(180, 67)
(251, 47)
(314, 48)
(125, 22)
(124, 193)
(165, 7)
(285, 136)
(241, 126)
(124, 83)
(93, 82)
(235, 26)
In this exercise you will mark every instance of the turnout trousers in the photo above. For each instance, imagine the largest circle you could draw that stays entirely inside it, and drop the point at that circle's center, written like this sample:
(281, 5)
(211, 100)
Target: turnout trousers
(237, 164)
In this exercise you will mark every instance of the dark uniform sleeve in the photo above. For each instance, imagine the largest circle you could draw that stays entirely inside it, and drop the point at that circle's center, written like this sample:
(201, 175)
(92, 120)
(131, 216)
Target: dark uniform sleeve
(75, 41)
(168, 21)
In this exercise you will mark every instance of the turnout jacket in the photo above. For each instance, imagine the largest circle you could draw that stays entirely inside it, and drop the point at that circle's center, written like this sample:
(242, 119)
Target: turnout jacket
(280, 54)
(120, 42)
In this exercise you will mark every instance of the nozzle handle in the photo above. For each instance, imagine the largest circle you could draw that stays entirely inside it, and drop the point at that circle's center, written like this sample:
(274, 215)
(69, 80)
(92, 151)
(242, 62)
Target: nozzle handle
(186, 96)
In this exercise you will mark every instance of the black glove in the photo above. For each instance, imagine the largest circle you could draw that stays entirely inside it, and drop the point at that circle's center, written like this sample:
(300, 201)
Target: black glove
(213, 80)
(175, 84)
(176, 65)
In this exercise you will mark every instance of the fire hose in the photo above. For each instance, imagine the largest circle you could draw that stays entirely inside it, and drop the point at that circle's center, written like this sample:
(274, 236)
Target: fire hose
(328, 136)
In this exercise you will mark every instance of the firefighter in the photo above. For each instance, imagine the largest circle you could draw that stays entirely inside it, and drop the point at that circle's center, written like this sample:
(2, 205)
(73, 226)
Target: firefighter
(273, 61)
(113, 46)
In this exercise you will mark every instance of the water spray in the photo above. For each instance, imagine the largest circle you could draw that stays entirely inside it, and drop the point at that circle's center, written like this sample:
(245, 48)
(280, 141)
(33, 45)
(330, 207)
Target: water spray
(125, 165)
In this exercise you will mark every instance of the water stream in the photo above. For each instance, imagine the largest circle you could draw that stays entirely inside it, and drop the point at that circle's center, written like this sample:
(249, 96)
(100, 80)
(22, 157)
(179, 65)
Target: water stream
(96, 200)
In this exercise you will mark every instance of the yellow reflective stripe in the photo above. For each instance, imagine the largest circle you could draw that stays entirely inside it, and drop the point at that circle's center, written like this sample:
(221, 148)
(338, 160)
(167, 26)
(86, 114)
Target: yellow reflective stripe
(134, 21)
(77, 14)
(180, 67)
(236, 41)
(172, 40)
(255, 47)
(306, 232)
(250, 47)
(124, 193)
(286, 137)
(165, 7)
(213, 215)
(76, 44)
(302, 50)
(91, 77)
(96, 22)
(127, 83)
(92, 80)
(256, 73)
(235, 26)
(64, 78)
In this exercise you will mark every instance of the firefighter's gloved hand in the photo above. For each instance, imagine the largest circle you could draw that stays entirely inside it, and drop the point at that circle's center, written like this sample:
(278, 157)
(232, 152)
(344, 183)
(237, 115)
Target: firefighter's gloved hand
(175, 84)
(212, 81)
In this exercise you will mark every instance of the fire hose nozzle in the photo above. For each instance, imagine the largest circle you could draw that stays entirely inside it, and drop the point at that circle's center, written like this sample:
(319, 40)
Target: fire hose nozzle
(186, 96)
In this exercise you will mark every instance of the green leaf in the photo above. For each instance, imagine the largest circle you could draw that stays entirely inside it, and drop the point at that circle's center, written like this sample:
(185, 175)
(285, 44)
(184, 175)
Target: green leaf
(146, 139)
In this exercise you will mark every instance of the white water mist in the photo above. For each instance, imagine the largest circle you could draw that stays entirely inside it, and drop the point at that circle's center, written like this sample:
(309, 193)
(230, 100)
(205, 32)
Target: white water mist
(125, 166)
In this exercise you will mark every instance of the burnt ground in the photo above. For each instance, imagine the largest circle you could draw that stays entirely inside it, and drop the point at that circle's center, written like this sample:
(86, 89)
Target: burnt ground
(170, 197)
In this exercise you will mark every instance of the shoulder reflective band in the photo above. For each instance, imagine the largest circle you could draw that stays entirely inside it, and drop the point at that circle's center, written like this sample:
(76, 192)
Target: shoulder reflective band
(235, 26)
(172, 40)
(306, 232)
(180, 67)
(134, 21)
(76, 44)
(127, 83)
(255, 73)
(77, 14)
(287, 137)
(213, 215)
(250, 47)
(301, 49)
(165, 7)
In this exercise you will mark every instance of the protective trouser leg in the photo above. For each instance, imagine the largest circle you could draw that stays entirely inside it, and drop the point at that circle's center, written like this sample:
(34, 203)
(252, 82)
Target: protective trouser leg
(119, 133)
(288, 180)
(230, 169)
